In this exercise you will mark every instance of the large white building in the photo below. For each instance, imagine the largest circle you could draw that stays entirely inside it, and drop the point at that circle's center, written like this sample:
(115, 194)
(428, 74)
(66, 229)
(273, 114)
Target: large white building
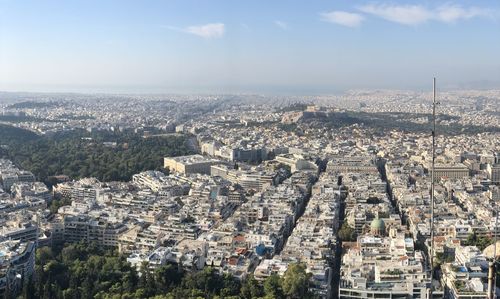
(455, 171)
(189, 164)
(84, 228)
(84, 190)
(248, 179)
(296, 162)
(158, 182)
(10, 178)
(382, 266)
(17, 264)
(359, 164)
(34, 189)
(463, 279)
(494, 173)
(18, 229)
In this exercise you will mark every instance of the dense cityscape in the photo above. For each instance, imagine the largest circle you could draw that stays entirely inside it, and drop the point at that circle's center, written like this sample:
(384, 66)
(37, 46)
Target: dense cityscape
(251, 149)
(243, 196)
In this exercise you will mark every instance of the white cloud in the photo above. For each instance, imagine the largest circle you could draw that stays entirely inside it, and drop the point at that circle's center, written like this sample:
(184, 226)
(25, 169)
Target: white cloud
(453, 13)
(403, 14)
(343, 18)
(208, 31)
(281, 24)
(417, 14)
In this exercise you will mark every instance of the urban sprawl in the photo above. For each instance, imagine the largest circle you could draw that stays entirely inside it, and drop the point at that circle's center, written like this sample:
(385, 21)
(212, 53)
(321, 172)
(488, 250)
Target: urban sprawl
(275, 181)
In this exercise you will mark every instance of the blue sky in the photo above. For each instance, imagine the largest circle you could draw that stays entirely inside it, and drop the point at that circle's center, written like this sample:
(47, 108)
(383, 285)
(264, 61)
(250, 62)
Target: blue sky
(247, 46)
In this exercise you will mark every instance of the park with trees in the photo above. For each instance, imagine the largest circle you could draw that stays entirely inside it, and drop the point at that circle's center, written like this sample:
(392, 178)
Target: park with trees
(107, 156)
(83, 270)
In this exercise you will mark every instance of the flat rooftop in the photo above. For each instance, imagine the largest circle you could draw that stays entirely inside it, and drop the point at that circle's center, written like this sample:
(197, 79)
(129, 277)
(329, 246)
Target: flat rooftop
(191, 159)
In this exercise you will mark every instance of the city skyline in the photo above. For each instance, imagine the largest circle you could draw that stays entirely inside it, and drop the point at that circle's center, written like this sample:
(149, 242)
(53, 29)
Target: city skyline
(173, 149)
(222, 47)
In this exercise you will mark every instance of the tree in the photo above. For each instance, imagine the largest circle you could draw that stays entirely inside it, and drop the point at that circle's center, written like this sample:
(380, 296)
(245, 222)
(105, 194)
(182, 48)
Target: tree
(441, 258)
(230, 286)
(72, 253)
(251, 289)
(373, 200)
(479, 241)
(273, 288)
(83, 270)
(166, 276)
(29, 289)
(347, 233)
(296, 281)
(43, 255)
(69, 154)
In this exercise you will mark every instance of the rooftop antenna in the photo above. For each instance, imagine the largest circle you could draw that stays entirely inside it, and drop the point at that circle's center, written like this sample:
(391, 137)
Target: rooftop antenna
(495, 256)
(492, 289)
(431, 255)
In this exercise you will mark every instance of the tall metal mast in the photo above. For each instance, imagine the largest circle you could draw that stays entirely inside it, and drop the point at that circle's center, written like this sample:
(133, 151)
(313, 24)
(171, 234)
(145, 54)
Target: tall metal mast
(492, 289)
(495, 254)
(431, 257)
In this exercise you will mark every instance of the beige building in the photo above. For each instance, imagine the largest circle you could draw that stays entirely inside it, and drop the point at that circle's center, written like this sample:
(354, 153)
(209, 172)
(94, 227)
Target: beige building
(494, 173)
(296, 162)
(352, 164)
(189, 164)
(456, 171)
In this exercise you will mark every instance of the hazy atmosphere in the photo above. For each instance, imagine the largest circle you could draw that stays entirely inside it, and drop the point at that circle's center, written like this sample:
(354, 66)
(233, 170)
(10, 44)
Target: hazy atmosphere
(247, 46)
(240, 149)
